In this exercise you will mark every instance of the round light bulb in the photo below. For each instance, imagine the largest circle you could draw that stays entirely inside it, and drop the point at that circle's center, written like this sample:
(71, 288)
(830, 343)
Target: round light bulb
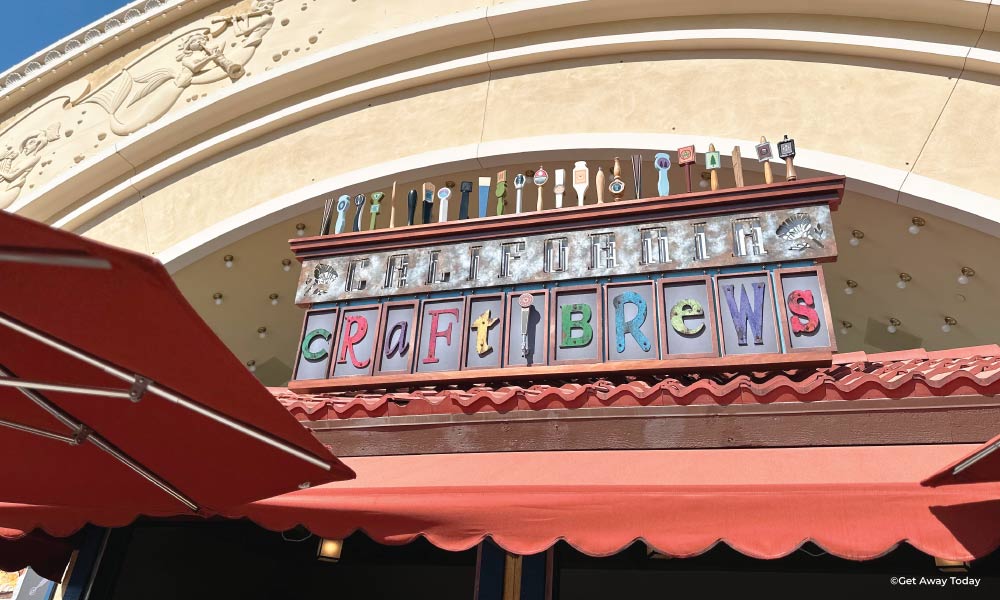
(901, 284)
(848, 290)
(854, 242)
(252, 368)
(703, 184)
(262, 334)
(274, 302)
(300, 229)
(913, 229)
(843, 331)
(251, 365)
(229, 264)
(946, 328)
(218, 301)
(962, 279)
(286, 268)
(891, 329)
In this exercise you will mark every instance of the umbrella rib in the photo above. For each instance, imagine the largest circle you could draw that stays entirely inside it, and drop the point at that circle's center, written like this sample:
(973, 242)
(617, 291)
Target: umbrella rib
(39, 432)
(62, 387)
(35, 256)
(164, 393)
(84, 433)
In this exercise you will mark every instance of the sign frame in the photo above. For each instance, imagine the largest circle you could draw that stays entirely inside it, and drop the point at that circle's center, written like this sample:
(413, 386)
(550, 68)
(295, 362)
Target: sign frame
(597, 324)
(710, 320)
(768, 298)
(413, 336)
(336, 339)
(653, 313)
(303, 332)
(467, 338)
(782, 305)
(509, 320)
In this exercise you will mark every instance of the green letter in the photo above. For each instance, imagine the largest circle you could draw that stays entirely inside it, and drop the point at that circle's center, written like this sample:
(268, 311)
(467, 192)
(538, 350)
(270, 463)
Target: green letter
(582, 324)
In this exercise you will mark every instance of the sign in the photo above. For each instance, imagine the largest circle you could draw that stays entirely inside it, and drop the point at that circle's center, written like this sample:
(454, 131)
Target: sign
(759, 312)
(686, 155)
(750, 238)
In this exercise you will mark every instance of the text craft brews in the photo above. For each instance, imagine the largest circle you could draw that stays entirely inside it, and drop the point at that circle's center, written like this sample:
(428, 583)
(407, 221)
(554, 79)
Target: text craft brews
(658, 318)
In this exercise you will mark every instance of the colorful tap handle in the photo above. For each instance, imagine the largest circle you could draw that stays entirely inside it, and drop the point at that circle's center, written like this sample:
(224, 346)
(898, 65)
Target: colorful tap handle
(375, 209)
(444, 194)
(359, 204)
(581, 180)
(501, 192)
(463, 207)
(541, 176)
(662, 163)
(342, 204)
(519, 181)
(392, 207)
(484, 196)
(429, 189)
(411, 206)
(560, 187)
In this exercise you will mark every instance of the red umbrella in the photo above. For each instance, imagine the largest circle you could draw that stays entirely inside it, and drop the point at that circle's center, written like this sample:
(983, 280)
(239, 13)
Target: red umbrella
(116, 399)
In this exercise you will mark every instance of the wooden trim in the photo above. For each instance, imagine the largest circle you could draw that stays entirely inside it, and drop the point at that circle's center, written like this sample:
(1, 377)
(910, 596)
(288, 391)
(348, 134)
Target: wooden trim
(710, 322)
(414, 339)
(302, 335)
(737, 362)
(554, 321)
(544, 314)
(803, 192)
(786, 335)
(653, 314)
(768, 299)
(344, 310)
(885, 421)
(467, 336)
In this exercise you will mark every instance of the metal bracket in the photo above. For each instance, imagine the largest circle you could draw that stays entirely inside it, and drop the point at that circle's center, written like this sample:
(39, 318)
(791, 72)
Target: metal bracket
(138, 388)
(81, 434)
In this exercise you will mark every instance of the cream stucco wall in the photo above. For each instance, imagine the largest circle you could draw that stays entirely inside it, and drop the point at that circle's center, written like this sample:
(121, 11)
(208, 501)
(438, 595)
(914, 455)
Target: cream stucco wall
(339, 93)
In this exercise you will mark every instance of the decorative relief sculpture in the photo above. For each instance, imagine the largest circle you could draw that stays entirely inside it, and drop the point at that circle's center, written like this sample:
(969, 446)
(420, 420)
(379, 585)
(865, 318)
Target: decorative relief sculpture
(150, 86)
(22, 142)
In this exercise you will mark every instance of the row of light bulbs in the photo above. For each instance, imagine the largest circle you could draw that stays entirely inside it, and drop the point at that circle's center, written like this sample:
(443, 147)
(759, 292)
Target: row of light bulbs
(895, 324)
(905, 278)
(916, 223)
(229, 260)
(217, 297)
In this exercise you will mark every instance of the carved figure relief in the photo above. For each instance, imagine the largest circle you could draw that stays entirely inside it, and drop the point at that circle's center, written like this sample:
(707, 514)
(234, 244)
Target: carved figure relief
(150, 86)
(22, 143)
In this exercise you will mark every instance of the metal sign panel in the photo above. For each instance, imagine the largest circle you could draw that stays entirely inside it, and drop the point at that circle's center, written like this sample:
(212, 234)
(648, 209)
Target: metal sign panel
(747, 238)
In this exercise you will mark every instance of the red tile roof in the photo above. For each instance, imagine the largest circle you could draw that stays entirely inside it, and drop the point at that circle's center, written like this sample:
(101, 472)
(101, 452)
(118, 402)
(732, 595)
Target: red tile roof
(853, 376)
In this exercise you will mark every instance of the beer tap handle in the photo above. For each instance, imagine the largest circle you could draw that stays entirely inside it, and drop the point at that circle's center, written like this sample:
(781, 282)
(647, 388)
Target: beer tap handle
(463, 206)
(411, 206)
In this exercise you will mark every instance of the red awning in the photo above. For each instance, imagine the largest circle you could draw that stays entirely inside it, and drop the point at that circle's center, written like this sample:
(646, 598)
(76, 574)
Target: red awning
(45, 554)
(117, 400)
(982, 464)
(855, 502)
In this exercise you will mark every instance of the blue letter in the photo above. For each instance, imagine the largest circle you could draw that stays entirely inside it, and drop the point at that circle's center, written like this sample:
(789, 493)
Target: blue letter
(633, 326)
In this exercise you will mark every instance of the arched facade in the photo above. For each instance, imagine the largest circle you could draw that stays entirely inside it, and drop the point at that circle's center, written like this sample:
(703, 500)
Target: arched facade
(196, 129)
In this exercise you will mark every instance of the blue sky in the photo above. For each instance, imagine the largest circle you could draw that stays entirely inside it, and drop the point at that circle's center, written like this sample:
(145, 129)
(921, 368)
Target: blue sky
(31, 26)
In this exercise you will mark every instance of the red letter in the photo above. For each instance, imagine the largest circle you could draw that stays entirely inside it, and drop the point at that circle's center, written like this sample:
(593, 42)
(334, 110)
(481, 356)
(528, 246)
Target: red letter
(435, 333)
(805, 319)
(347, 345)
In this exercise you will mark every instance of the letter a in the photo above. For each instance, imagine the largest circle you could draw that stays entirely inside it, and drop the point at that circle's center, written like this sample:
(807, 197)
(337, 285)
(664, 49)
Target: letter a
(632, 326)
(401, 345)
(746, 315)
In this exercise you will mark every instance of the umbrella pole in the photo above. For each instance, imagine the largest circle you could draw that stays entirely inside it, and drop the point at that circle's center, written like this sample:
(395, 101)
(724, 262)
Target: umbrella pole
(154, 388)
